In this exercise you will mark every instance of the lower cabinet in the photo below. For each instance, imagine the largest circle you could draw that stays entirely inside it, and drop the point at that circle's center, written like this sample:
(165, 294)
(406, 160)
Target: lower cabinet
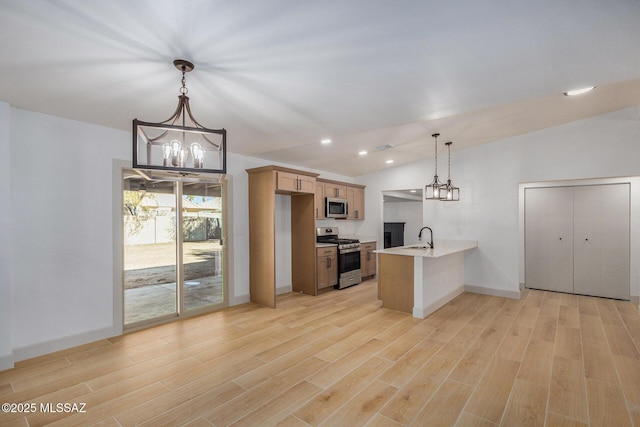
(326, 267)
(367, 259)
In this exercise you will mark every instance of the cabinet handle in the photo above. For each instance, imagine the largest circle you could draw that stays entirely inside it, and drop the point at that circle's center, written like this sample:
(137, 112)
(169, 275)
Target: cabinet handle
(317, 214)
(561, 238)
(586, 240)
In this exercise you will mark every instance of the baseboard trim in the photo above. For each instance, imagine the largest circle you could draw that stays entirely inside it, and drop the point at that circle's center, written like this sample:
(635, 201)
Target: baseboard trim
(242, 299)
(50, 346)
(426, 311)
(493, 292)
(6, 362)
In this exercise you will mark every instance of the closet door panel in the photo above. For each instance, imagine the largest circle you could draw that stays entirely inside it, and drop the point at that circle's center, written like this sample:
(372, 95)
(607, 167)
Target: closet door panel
(601, 240)
(549, 238)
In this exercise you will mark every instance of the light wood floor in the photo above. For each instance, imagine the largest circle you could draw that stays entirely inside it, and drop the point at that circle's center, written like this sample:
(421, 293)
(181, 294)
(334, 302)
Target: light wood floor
(341, 360)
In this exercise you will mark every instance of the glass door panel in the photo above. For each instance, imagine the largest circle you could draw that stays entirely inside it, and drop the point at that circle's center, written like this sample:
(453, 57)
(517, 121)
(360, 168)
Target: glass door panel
(202, 245)
(149, 218)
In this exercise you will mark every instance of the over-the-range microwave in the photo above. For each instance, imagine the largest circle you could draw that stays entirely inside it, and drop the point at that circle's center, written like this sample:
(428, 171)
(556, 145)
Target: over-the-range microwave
(336, 208)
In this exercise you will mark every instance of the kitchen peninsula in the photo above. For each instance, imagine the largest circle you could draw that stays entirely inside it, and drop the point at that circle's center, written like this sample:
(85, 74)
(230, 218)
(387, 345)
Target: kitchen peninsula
(418, 279)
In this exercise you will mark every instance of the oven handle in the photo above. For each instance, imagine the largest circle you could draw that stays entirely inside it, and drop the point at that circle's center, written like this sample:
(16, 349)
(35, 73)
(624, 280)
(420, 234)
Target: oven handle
(349, 250)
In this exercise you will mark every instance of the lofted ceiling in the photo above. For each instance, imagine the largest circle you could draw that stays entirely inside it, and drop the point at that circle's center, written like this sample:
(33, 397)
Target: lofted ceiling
(280, 75)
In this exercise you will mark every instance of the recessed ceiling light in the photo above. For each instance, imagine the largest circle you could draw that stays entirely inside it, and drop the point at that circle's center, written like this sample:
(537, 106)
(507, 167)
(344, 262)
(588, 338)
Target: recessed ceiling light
(389, 161)
(362, 153)
(579, 91)
(413, 191)
(326, 141)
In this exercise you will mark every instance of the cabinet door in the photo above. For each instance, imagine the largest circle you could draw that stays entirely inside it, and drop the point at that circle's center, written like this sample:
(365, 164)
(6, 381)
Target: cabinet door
(335, 190)
(332, 269)
(355, 198)
(319, 208)
(287, 181)
(326, 267)
(322, 274)
(549, 238)
(367, 259)
(358, 203)
(601, 244)
(306, 184)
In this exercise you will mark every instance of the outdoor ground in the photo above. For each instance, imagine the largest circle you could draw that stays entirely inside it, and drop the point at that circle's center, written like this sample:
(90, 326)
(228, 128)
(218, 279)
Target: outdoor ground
(150, 278)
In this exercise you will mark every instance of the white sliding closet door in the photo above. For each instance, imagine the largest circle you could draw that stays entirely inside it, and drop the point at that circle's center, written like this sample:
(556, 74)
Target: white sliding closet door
(601, 240)
(549, 238)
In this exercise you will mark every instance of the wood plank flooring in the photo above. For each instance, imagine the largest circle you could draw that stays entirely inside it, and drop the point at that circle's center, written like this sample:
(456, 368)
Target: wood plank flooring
(339, 359)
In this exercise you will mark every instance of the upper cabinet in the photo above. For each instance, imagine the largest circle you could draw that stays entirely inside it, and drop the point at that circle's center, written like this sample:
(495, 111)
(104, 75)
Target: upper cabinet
(353, 193)
(295, 181)
(335, 190)
(355, 198)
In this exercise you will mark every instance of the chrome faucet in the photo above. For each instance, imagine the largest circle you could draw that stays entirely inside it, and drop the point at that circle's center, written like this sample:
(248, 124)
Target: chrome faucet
(430, 242)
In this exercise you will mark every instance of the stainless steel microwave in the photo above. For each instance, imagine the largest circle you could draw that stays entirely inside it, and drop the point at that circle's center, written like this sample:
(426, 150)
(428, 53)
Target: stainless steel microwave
(336, 208)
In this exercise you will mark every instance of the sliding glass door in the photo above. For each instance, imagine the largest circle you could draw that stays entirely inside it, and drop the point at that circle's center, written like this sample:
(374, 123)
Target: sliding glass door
(173, 248)
(201, 245)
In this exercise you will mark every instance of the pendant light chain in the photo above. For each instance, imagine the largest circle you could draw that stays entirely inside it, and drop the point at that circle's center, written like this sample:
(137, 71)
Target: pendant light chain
(449, 161)
(183, 89)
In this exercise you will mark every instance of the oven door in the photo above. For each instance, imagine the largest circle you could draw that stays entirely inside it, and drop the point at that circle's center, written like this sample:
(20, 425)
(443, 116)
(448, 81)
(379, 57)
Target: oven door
(349, 268)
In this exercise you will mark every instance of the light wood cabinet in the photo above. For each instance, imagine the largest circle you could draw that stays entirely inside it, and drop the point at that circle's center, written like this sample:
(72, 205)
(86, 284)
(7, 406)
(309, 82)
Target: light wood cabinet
(355, 198)
(320, 214)
(367, 259)
(577, 239)
(326, 267)
(294, 182)
(264, 183)
(353, 193)
(335, 190)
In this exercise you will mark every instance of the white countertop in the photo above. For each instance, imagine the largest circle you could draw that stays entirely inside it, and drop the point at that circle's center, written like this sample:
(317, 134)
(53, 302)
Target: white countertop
(443, 247)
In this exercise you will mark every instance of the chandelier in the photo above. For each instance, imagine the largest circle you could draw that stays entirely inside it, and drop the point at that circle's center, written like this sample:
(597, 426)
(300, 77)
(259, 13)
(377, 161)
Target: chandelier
(179, 144)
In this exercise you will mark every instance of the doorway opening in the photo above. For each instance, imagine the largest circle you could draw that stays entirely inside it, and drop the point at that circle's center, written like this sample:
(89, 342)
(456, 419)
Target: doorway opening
(174, 252)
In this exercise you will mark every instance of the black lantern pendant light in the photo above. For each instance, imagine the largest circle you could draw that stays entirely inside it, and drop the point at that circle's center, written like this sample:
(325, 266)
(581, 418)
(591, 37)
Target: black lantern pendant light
(448, 191)
(432, 191)
(180, 144)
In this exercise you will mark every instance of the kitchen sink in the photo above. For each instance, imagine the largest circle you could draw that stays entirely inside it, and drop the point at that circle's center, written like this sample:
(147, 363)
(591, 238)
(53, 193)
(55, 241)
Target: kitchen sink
(418, 247)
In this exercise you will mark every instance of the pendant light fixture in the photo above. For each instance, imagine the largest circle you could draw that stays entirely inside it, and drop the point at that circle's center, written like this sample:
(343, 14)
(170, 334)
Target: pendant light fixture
(432, 191)
(180, 144)
(448, 191)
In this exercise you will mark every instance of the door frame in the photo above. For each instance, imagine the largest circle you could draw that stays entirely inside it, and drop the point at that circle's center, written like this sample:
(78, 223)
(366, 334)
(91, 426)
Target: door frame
(118, 257)
(634, 223)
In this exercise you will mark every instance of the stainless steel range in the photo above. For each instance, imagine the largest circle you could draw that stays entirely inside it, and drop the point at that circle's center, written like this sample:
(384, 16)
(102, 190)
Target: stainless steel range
(348, 256)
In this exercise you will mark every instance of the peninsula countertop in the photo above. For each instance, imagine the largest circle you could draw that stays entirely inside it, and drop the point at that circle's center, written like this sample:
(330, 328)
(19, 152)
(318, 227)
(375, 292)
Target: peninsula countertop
(442, 247)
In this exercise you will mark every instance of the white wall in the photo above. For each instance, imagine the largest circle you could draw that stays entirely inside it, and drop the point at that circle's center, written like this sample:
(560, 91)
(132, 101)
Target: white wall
(488, 175)
(61, 241)
(6, 355)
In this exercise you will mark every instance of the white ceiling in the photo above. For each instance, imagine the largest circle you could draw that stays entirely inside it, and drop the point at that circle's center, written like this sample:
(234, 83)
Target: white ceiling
(280, 75)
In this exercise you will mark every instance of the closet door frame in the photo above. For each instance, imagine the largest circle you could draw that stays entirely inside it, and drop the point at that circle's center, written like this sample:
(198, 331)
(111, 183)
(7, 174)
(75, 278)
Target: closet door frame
(634, 245)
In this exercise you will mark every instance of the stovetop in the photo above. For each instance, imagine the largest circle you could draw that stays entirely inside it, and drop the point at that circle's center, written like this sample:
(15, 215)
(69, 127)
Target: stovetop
(330, 235)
